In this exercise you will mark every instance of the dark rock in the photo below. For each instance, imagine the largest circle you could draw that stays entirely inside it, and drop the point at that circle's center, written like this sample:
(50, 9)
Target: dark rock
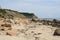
(39, 33)
(2, 29)
(6, 25)
(57, 32)
(32, 31)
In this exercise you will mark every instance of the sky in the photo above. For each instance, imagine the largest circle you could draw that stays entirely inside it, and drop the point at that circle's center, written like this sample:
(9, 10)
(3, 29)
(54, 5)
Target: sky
(41, 8)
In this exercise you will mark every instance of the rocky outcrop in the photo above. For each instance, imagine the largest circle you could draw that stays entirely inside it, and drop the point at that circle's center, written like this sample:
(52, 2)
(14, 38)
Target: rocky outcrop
(7, 13)
(13, 22)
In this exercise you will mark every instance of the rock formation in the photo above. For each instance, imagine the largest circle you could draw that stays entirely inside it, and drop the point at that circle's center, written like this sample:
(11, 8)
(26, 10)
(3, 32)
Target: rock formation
(57, 32)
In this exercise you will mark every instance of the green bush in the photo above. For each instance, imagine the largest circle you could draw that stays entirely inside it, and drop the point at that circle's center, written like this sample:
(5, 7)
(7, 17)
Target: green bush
(2, 11)
(29, 15)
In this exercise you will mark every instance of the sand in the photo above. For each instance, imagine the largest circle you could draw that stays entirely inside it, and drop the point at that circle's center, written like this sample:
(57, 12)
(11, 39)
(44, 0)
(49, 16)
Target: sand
(45, 33)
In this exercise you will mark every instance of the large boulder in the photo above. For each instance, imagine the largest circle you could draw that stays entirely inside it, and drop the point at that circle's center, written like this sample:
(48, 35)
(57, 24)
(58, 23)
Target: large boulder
(57, 32)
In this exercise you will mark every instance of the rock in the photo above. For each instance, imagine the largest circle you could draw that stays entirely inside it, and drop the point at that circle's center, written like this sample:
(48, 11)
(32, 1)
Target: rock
(5, 25)
(2, 29)
(57, 32)
(12, 32)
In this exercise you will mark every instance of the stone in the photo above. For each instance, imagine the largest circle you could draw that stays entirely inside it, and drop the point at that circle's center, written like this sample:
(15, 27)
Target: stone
(12, 32)
(57, 32)
(5, 25)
